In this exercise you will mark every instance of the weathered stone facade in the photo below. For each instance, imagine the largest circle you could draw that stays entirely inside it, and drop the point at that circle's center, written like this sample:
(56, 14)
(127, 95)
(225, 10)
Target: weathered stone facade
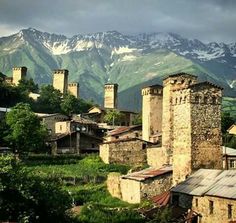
(19, 73)
(73, 88)
(134, 190)
(60, 80)
(220, 212)
(152, 111)
(125, 151)
(156, 157)
(110, 96)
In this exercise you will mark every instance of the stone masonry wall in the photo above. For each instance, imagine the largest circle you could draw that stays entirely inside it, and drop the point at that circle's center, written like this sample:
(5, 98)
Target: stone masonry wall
(155, 186)
(206, 127)
(113, 184)
(156, 157)
(220, 209)
(124, 152)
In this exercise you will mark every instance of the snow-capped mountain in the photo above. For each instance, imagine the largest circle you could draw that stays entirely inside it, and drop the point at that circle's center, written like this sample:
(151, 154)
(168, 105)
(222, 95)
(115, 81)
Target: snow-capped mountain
(130, 60)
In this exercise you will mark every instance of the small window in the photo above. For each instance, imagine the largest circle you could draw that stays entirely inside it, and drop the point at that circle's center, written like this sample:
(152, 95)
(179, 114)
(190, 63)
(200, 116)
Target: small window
(214, 100)
(196, 202)
(144, 146)
(211, 207)
(93, 146)
(230, 208)
(197, 99)
(232, 164)
(117, 137)
(175, 200)
(136, 134)
(60, 127)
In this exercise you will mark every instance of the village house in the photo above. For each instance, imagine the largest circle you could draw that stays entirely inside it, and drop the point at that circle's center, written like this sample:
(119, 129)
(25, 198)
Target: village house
(124, 132)
(137, 186)
(78, 135)
(210, 193)
(229, 158)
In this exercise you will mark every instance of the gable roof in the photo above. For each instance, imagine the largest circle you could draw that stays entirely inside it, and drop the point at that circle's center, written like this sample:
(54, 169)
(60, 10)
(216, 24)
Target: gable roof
(219, 183)
(123, 129)
(148, 173)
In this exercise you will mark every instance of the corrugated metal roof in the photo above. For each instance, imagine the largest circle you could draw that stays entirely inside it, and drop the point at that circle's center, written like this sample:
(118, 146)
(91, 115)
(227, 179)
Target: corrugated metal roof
(220, 183)
(123, 129)
(225, 185)
(198, 183)
(147, 173)
(228, 151)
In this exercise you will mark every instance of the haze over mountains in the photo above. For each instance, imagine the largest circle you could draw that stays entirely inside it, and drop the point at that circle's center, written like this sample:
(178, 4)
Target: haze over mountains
(131, 61)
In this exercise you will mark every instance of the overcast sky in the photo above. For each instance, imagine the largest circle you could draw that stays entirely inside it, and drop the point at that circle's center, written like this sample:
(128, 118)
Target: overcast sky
(207, 20)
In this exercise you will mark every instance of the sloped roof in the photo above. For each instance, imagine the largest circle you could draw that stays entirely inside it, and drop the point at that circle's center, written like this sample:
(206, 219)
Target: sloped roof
(84, 120)
(228, 151)
(219, 183)
(162, 199)
(128, 140)
(123, 129)
(148, 173)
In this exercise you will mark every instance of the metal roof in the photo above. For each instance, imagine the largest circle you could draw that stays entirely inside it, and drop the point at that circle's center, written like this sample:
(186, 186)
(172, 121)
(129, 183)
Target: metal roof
(228, 151)
(148, 173)
(220, 183)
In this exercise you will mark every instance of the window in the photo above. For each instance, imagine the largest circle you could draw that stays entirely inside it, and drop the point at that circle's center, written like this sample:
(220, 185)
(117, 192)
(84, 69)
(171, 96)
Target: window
(232, 164)
(196, 202)
(175, 199)
(60, 127)
(211, 207)
(144, 146)
(230, 207)
(93, 146)
(214, 100)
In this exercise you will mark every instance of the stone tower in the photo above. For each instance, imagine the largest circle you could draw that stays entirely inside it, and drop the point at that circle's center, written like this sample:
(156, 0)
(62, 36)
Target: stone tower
(152, 112)
(18, 74)
(191, 125)
(110, 96)
(60, 80)
(73, 88)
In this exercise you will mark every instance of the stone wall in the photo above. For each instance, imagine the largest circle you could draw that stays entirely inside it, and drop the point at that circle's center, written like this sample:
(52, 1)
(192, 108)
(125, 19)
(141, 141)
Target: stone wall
(113, 184)
(155, 186)
(130, 152)
(73, 88)
(134, 191)
(18, 74)
(156, 157)
(220, 209)
(206, 127)
(130, 191)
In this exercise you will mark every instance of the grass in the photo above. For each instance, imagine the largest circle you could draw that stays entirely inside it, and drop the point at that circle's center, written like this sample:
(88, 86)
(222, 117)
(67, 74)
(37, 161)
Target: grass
(229, 105)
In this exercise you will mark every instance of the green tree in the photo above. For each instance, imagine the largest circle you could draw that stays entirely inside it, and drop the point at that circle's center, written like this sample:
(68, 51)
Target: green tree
(138, 119)
(226, 121)
(28, 86)
(70, 104)
(113, 117)
(28, 198)
(26, 132)
(49, 100)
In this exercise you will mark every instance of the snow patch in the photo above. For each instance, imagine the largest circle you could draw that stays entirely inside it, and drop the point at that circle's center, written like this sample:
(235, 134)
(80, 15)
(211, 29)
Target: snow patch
(123, 50)
(128, 58)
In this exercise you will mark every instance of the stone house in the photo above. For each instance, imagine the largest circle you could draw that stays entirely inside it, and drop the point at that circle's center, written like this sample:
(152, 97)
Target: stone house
(229, 158)
(97, 114)
(138, 186)
(131, 151)
(78, 135)
(124, 132)
(210, 193)
(50, 120)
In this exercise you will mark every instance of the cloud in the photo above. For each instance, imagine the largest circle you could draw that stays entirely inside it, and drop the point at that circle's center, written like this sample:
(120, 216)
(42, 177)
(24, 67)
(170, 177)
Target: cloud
(208, 20)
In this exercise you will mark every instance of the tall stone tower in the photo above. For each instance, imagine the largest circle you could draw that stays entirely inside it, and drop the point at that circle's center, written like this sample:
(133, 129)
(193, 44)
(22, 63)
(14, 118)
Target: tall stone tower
(18, 74)
(110, 96)
(152, 111)
(191, 125)
(73, 88)
(60, 80)
(171, 84)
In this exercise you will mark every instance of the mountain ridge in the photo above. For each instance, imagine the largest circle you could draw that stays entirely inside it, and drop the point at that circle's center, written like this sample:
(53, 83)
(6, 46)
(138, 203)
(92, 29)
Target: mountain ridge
(129, 60)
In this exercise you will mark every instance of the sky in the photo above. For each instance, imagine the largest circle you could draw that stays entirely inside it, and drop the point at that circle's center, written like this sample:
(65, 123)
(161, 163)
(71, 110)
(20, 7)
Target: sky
(206, 20)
